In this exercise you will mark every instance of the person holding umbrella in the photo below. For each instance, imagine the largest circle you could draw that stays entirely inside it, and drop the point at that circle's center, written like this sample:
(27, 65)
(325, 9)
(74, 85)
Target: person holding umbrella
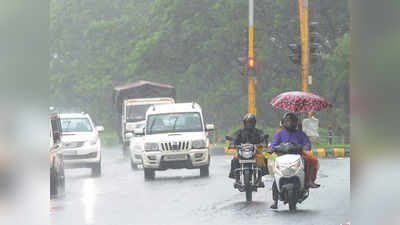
(290, 133)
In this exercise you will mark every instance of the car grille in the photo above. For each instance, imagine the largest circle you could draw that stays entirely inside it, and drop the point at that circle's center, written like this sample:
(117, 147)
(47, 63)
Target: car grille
(76, 144)
(85, 156)
(175, 146)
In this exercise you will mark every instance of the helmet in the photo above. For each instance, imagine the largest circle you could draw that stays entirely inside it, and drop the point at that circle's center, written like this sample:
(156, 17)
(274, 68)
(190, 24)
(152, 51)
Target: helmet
(292, 117)
(249, 118)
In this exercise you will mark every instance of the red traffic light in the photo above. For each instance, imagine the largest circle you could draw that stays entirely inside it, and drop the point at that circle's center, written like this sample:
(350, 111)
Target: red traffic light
(251, 63)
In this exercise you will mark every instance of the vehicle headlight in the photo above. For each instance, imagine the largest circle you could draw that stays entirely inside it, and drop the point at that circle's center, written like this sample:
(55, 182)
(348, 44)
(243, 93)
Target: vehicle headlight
(148, 147)
(246, 154)
(296, 165)
(197, 144)
(93, 154)
(129, 127)
(91, 142)
(287, 170)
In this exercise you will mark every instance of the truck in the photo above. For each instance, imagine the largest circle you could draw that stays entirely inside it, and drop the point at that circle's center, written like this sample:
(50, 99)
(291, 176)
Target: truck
(131, 103)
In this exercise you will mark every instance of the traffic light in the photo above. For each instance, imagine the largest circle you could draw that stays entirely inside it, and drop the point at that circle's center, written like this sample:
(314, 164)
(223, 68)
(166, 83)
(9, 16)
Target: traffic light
(251, 63)
(315, 42)
(295, 57)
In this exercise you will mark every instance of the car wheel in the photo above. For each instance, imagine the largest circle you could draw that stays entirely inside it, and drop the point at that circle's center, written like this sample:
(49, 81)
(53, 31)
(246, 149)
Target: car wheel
(204, 171)
(149, 174)
(125, 151)
(134, 166)
(96, 170)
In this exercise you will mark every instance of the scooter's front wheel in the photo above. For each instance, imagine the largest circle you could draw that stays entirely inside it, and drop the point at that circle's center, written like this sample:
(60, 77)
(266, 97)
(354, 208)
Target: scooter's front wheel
(292, 199)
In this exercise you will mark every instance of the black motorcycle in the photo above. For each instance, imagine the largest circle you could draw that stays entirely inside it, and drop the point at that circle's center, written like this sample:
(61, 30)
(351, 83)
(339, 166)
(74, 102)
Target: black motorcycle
(248, 175)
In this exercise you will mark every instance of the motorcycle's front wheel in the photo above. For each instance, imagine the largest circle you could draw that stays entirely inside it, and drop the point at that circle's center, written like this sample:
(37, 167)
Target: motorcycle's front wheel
(247, 183)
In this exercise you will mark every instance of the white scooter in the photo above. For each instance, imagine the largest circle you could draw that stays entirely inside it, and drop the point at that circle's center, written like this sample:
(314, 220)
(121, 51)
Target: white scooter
(289, 174)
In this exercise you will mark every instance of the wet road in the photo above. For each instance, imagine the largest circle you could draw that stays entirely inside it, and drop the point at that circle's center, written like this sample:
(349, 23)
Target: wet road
(122, 197)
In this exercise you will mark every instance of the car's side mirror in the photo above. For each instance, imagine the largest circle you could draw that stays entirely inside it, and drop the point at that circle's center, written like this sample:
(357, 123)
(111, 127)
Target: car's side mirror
(139, 131)
(100, 128)
(266, 138)
(210, 127)
(128, 135)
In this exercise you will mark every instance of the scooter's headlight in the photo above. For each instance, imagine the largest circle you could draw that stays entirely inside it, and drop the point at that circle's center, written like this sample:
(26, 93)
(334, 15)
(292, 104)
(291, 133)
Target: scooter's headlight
(296, 165)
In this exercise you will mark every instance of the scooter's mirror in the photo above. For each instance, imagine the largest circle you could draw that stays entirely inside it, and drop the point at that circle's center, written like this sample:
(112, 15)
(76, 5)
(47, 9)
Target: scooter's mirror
(228, 138)
(266, 138)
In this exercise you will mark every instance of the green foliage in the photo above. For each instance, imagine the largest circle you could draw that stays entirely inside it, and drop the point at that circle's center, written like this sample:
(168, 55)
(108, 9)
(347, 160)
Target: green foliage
(194, 45)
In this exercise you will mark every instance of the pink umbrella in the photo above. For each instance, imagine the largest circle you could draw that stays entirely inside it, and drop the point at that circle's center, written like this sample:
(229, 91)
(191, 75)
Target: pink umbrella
(299, 102)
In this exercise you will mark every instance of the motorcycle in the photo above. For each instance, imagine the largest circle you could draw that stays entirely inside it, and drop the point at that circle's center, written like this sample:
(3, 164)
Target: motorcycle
(290, 174)
(248, 175)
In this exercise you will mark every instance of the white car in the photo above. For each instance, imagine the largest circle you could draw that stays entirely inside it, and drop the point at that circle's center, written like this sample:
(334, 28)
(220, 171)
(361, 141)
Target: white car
(136, 145)
(81, 142)
(175, 136)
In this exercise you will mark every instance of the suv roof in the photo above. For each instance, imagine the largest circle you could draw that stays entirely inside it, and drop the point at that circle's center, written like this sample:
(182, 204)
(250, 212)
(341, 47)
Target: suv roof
(177, 108)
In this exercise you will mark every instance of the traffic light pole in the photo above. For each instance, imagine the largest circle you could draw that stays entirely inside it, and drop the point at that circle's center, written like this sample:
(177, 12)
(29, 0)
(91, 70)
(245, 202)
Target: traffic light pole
(305, 48)
(251, 72)
(305, 45)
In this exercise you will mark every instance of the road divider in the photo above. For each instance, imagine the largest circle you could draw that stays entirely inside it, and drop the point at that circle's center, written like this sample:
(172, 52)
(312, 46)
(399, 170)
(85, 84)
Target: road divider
(319, 153)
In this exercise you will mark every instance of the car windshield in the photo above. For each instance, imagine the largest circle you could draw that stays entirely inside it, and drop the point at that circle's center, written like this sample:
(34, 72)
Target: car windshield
(76, 125)
(136, 113)
(174, 122)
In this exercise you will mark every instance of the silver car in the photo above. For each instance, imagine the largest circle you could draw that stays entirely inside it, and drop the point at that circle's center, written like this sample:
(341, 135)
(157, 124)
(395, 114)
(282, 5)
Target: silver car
(81, 142)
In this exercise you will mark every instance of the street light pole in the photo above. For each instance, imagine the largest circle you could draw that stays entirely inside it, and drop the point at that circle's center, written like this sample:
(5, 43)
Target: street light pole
(251, 71)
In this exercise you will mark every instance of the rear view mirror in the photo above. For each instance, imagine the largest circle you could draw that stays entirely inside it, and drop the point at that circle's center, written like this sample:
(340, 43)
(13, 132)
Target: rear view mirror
(210, 127)
(139, 131)
(100, 128)
(128, 135)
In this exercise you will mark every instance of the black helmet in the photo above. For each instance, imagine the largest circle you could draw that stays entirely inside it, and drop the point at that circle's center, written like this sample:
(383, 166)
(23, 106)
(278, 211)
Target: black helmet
(249, 118)
(292, 117)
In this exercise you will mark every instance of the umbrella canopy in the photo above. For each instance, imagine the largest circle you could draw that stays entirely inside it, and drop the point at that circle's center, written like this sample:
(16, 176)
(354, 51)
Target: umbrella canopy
(299, 102)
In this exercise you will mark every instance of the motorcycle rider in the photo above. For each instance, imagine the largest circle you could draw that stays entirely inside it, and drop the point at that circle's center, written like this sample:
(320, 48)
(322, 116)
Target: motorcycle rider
(249, 134)
(290, 133)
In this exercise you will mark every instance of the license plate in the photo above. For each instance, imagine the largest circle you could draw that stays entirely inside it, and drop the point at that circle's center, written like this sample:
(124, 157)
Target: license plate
(69, 153)
(247, 160)
(175, 157)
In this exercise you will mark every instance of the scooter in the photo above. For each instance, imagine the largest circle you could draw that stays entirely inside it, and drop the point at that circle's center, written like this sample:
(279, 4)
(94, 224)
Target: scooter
(290, 174)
